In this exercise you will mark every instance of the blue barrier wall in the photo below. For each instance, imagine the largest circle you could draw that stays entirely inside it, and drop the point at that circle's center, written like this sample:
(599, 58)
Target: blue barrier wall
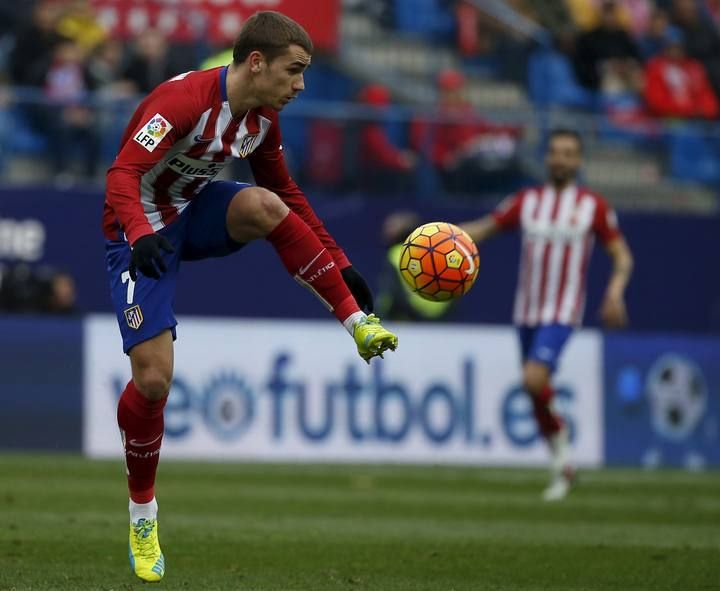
(40, 383)
(661, 392)
(673, 289)
(662, 400)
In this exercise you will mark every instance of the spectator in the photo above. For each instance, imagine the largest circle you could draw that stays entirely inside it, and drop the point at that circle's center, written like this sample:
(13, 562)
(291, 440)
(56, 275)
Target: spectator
(607, 56)
(653, 42)
(36, 290)
(34, 46)
(676, 85)
(633, 15)
(467, 151)
(79, 22)
(105, 70)
(19, 289)
(69, 124)
(586, 14)
(702, 40)
(384, 166)
(712, 7)
(61, 296)
(640, 13)
(150, 63)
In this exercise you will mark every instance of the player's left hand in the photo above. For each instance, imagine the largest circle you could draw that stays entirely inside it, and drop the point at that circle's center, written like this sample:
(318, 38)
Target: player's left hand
(359, 288)
(613, 311)
(147, 256)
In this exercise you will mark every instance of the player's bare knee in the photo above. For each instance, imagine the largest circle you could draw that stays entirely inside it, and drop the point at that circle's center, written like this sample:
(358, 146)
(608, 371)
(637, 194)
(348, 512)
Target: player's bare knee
(153, 383)
(535, 379)
(152, 365)
(254, 213)
(271, 210)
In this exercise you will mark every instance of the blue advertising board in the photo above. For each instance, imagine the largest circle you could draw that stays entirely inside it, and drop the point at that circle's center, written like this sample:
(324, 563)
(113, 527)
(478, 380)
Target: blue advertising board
(662, 401)
(40, 383)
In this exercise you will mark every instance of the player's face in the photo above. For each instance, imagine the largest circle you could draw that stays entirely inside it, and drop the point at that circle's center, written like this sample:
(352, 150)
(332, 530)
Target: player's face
(283, 78)
(563, 159)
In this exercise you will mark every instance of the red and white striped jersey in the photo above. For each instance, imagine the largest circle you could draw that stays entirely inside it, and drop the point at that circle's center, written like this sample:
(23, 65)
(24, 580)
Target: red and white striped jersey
(558, 230)
(179, 138)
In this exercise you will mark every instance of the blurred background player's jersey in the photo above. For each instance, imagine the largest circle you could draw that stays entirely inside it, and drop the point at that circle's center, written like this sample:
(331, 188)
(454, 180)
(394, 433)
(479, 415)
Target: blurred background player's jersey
(558, 235)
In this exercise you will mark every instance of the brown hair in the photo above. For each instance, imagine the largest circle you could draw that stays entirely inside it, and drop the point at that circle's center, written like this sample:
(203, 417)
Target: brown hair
(270, 33)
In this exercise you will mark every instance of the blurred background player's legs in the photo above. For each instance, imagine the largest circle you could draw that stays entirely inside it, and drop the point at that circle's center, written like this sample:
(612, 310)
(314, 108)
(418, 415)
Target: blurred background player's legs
(541, 348)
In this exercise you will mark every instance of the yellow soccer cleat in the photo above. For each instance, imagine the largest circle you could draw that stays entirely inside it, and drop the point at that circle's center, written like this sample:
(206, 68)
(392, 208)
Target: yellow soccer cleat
(372, 339)
(146, 558)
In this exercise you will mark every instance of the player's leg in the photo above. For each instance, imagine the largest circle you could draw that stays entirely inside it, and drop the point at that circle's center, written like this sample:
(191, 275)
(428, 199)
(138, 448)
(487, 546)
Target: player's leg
(147, 323)
(541, 352)
(141, 422)
(537, 382)
(258, 213)
(140, 417)
(249, 213)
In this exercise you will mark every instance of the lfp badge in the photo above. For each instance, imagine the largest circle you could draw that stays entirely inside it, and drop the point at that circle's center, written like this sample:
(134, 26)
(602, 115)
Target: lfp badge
(152, 133)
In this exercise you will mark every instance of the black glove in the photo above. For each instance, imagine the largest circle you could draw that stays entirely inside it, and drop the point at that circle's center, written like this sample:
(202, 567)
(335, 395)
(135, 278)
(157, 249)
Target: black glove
(147, 256)
(359, 288)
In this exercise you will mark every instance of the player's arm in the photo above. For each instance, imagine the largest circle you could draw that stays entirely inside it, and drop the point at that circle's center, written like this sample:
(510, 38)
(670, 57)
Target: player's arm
(482, 228)
(140, 152)
(270, 171)
(505, 217)
(613, 310)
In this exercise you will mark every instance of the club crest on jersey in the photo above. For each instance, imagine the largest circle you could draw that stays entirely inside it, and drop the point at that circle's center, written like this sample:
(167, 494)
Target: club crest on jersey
(134, 317)
(247, 144)
(152, 133)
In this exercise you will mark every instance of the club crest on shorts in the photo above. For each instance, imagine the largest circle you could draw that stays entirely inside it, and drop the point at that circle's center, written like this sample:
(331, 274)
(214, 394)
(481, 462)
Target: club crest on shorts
(134, 317)
(247, 144)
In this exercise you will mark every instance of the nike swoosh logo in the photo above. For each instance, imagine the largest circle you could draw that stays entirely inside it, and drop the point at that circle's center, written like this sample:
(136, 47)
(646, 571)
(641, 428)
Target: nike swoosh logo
(302, 270)
(202, 140)
(136, 443)
(468, 256)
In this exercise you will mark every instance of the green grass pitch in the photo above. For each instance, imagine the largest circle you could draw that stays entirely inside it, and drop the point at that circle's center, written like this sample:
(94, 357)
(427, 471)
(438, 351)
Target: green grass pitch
(63, 525)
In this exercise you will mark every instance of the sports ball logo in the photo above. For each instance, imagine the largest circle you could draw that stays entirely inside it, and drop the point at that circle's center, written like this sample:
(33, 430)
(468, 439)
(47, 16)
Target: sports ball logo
(156, 127)
(678, 396)
(439, 261)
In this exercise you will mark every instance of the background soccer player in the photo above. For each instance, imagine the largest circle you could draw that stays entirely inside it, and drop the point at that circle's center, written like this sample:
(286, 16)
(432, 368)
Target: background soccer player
(162, 207)
(558, 222)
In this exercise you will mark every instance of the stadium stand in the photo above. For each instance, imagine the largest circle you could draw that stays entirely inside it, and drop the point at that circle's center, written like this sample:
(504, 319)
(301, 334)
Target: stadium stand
(71, 79)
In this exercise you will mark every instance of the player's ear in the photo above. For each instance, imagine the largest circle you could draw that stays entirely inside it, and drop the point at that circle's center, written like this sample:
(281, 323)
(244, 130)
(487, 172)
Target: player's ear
(256, 62)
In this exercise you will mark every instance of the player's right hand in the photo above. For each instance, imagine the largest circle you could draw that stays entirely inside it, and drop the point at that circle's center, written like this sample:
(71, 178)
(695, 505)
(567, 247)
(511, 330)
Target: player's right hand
(613, 311)
(147, 256)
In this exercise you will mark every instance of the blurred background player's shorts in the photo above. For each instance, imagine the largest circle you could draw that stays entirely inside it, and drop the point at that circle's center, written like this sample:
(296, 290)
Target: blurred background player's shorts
(544, 343)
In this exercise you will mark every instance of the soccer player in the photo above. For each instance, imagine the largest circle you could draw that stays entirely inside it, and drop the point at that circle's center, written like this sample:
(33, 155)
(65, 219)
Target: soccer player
(163, 207)
(559, 222)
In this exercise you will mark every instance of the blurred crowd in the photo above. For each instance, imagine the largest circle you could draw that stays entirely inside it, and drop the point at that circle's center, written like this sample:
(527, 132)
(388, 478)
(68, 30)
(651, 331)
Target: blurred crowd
(636, 59)
(36, 289)
(640, 62)
(59, 59)
(463, 148)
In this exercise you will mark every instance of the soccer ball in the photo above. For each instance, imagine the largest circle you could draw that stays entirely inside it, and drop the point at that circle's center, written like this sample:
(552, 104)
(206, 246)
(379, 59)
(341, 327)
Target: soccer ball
(439, 261)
